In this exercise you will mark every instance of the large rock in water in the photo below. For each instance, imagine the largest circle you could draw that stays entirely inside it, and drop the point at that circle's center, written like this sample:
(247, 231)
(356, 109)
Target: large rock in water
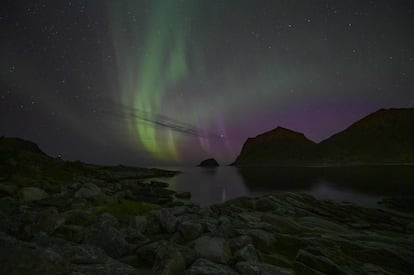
(277, 146)
(209, 163)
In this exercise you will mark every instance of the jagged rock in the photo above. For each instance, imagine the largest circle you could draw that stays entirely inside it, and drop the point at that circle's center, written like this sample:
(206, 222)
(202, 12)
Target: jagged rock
(88, 191)
(213, 248)
(252, 268)
(206, 267)
(247, 253)
(190, 230)
(32, 194)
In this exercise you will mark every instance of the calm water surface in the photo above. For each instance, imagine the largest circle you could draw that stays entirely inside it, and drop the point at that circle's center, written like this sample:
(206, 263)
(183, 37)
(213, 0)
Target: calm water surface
(362, 185)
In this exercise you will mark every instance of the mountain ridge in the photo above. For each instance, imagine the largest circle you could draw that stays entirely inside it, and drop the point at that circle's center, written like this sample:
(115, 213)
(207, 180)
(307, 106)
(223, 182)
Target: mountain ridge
(384, 136)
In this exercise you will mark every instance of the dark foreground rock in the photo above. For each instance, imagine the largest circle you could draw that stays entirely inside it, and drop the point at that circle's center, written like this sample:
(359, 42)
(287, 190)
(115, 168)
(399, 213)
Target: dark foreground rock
(273, 234)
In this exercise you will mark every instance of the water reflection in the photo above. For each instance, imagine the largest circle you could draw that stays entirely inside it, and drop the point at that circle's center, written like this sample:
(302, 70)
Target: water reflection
(364, 185)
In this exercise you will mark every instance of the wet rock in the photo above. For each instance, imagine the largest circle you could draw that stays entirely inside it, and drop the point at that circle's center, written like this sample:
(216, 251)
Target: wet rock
(252, 268)
(206, 267)
(29, 194)
(213, 248)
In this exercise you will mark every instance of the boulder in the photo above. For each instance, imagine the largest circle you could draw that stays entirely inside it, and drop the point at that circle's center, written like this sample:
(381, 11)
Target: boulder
(88, 191)
(252, 268)
(167, 220)
(247, 253)
(168, 261)
(214, 249)
(209, 163)
(29, 194)
(205, 267)
(190, 230)
(48, 220)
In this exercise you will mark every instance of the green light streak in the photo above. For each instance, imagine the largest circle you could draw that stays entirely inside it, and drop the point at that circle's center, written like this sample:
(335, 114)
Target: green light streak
(150, 62)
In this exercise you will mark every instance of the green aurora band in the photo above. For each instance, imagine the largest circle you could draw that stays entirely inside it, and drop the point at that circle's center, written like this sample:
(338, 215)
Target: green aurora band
(149, 62)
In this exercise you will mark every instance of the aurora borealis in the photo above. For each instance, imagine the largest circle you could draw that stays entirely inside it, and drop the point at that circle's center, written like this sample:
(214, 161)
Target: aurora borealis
(174, 82)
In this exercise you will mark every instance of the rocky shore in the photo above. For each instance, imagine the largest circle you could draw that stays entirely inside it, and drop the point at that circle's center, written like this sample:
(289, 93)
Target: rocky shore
(117, 224)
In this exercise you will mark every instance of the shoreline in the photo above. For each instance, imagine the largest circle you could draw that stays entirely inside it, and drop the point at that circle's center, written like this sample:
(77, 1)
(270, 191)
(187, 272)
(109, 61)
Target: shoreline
(119, 225)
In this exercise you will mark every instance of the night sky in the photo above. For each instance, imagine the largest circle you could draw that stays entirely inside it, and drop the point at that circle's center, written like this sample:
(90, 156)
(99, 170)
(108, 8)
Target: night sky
(173, 82)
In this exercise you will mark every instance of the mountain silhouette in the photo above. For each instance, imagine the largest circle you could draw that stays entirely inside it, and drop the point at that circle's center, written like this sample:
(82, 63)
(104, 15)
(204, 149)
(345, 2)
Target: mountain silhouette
(385, 136)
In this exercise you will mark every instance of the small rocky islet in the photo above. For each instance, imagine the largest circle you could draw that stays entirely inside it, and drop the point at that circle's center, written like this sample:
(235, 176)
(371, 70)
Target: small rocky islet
(118, 220)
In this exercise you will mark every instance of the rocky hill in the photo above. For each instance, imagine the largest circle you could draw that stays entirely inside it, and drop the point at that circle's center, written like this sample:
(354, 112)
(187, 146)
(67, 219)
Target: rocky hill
(278, 146)
(383, 136)
(386, 136)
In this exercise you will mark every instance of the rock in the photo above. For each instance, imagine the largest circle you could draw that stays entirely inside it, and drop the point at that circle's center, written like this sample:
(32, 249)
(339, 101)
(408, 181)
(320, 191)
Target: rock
(239, 242)
(168, 261)
(318, 262)
(88, 191)
(263, 240)
(167, 220)
(159, 184)
(7, 190)
(205, 267)
(213, 248)
(183, 195)
(48, 220)
(85, 259)
(106, 220)
(139, 223)
(108, 238)
(189, 254)
(29, 194)
(148, 252)
(19, 257)
(209, 163)
(247, 253)
(190, 230)
(252, 268)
